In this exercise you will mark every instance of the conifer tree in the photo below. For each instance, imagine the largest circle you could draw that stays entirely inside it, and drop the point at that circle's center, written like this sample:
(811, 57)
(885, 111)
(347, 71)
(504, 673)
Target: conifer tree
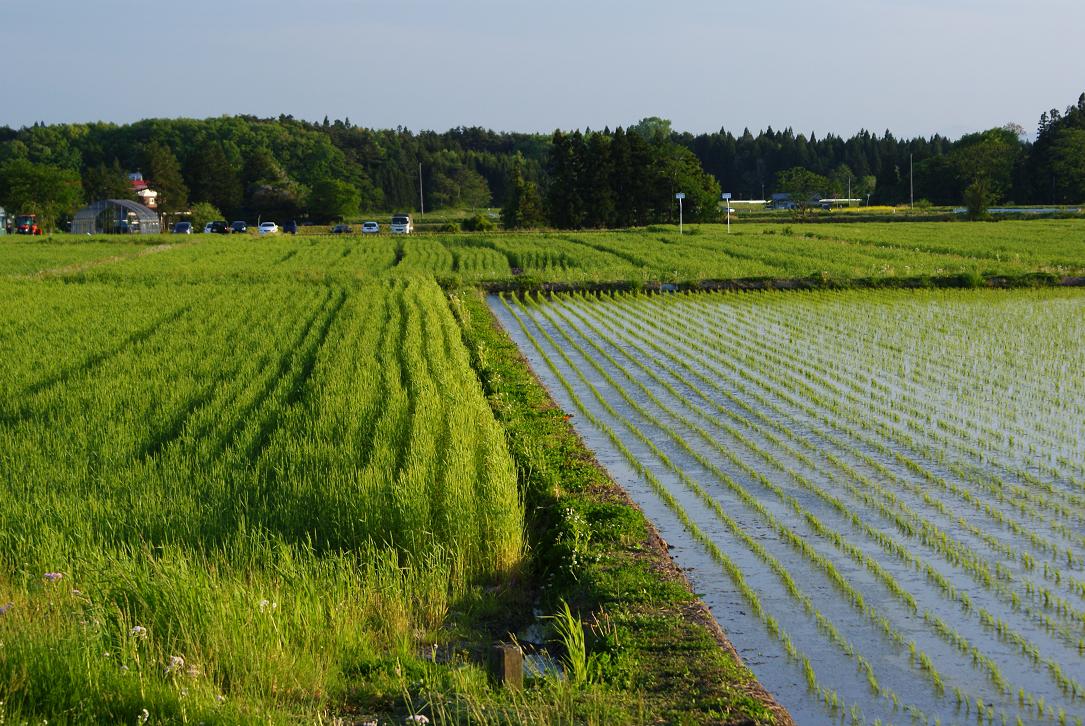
(621, 173)
(524, 207)
(163, 172)
(600, 209)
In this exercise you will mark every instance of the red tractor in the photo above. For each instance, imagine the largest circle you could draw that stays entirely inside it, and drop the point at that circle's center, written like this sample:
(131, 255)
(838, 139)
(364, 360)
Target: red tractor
(27, 224)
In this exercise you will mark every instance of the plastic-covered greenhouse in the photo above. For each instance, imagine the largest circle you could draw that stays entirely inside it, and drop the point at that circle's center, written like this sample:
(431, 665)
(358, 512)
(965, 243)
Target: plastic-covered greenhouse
(116, 216)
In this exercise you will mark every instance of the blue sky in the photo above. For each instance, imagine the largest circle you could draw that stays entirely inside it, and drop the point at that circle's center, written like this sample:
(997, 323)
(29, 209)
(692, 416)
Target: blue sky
(911, 66)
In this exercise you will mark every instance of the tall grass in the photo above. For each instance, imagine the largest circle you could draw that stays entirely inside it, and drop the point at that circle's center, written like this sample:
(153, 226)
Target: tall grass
(228, 515)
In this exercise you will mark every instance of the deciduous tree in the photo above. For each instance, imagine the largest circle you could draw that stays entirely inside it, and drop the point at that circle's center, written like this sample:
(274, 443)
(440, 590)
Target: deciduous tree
(213, 179)
(333, 200)
(47, 191)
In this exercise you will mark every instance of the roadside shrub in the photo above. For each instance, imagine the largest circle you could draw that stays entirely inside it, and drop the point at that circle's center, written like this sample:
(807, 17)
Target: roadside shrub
(977, 199)
(478, 223)
(450, 227)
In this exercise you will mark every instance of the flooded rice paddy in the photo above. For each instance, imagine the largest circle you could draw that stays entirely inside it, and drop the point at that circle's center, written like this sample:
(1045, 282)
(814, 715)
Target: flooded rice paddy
(881, 496)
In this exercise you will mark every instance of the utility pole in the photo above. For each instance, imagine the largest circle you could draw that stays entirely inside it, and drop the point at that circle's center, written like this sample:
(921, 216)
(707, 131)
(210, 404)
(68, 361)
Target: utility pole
(421, 200)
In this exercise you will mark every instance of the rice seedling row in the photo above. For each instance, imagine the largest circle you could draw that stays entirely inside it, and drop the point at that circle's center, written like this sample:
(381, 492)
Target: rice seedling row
(986, 580)
(1005, 633)
(957, 640)
(700, 383)
(837, 539)
(782, 383)
(796, 540)
(872, 407)
(829, 698)
(887, 416)
(977, 435)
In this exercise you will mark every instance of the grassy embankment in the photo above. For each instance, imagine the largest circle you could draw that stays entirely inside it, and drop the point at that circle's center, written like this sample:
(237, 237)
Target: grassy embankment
(595, 549)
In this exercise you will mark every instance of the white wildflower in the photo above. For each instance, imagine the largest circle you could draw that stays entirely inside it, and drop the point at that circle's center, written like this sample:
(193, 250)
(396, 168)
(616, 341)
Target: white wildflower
(175, 664)
(138, 631)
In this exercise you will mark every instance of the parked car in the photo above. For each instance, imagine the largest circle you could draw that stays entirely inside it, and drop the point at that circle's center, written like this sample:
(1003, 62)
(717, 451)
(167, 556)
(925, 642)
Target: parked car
(291, 227)
(269, 228)
(342, 229)
(219, 226)
(401, 224)
(182, 228)
(239, 227)
(370, 228)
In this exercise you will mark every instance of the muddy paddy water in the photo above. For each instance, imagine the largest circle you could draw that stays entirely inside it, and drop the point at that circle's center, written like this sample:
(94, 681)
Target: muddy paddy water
(880, 495)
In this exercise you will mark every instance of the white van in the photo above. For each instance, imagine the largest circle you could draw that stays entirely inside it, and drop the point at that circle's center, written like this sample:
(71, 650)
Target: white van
(402, 224)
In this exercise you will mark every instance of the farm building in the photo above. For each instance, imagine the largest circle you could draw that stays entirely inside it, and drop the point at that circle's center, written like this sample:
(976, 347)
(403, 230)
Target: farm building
(782, 200)
(116, 216)
(147, 196)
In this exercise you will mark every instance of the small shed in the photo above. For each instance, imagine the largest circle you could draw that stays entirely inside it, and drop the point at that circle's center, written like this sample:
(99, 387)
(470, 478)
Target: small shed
(116, 216)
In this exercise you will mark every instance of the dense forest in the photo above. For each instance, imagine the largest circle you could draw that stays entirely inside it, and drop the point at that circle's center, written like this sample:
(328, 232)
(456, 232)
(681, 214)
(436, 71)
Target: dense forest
(244, 166)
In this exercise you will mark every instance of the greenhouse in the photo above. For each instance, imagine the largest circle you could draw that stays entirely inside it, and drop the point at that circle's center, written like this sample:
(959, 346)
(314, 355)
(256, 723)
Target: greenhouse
(116, 216)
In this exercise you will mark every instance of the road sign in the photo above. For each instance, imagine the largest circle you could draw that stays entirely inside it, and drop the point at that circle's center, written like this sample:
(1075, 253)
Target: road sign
(680, 195)
(725, 195)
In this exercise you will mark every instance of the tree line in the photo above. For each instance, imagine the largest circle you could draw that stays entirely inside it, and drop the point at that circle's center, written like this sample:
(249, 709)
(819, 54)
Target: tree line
(244, 167)
(876, 168)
